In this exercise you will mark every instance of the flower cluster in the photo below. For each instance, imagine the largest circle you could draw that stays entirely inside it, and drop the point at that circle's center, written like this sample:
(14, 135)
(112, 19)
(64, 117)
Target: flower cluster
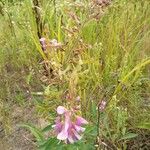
(52, 43)
(68, 126)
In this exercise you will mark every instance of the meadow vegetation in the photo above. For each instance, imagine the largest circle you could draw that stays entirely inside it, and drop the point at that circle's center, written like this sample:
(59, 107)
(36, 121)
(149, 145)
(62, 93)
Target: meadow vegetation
(89, 56)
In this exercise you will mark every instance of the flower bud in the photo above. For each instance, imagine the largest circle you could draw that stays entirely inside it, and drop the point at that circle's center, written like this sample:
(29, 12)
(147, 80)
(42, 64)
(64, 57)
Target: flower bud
(102, 105)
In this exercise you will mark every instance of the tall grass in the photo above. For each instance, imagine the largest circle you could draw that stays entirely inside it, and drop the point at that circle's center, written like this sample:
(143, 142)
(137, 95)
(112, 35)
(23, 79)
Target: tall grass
(106, 59)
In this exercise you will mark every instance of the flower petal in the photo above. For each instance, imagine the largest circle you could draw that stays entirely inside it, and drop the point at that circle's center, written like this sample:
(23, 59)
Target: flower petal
(42, 39)
(79, 128)
(102, 105)
(58, 127)
(78, 99)
(70, 139)
(77, 135)
(62, 135)
(61, 110)
(80, 121)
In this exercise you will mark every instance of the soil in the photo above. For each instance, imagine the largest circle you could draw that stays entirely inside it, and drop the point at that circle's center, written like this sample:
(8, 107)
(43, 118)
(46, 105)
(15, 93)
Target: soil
(19, 138)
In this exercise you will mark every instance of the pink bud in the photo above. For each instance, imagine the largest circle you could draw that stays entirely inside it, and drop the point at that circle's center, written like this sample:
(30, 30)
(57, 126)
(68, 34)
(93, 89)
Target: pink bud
(102, 105)
(43, 43)
(78, 99)
(61, 110)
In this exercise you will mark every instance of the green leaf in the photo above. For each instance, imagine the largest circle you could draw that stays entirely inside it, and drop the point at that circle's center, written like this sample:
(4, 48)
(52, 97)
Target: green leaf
(145, 125)
(91, 130)
(49, 144)
(47, 128)
(35, 131)
(29, 77)
(128, 136)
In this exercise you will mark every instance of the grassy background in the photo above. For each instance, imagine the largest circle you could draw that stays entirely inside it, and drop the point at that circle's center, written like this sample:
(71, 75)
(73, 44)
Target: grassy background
(104, 59)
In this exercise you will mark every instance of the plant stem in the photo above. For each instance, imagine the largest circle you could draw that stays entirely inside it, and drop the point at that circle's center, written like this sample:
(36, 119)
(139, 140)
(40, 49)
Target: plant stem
(38, 17)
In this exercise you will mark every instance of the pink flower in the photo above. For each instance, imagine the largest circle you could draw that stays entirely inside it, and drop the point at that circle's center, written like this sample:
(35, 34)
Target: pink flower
(54, 43)
(68, 126)
(102, 105)
(61, 110)
(43, 43)
(78, 99)
(80, 121)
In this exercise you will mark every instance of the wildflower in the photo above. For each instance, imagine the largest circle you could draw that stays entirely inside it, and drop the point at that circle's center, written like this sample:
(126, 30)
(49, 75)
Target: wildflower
(54, 43)
(43, 43)
(68, 126)
(102, 105)
(78, 99)
(61, 110)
